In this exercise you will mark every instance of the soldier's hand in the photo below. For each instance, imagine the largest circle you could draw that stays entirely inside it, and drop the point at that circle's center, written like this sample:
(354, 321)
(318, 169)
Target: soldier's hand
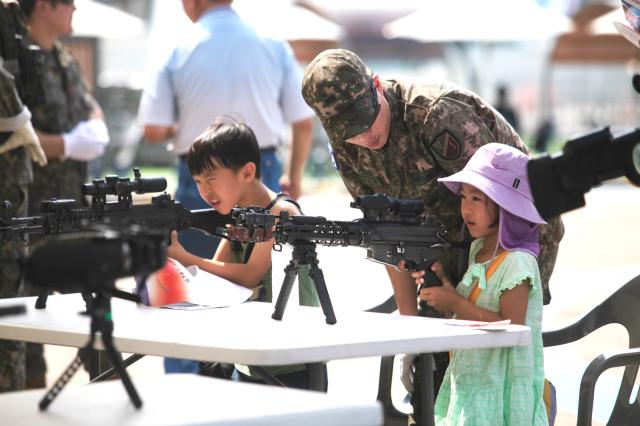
(86, 141)
(26, 136)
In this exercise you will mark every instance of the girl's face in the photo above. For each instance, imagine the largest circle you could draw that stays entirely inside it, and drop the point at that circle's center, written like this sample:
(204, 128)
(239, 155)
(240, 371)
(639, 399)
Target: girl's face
(221, 187)
(479, 212)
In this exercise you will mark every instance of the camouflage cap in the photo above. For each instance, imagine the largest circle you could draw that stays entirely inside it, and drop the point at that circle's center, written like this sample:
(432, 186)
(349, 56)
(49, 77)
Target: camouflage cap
(339, 87)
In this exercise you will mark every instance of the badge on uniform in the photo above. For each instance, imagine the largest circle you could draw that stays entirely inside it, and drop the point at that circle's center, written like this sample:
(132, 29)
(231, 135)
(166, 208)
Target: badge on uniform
(446, 146)
(332, 155)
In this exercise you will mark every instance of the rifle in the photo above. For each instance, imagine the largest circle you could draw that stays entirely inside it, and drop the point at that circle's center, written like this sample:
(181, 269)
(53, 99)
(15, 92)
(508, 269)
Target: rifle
(59, 216)
(391, 230)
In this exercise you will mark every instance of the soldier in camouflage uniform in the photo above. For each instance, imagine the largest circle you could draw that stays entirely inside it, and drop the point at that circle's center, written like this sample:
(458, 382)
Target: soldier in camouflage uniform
(69, 124)
(397, 138)
(18, 147)
(15, 175)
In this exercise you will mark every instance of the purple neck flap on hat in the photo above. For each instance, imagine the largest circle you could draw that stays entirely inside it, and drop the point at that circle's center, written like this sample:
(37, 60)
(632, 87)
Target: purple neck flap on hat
(516, 233)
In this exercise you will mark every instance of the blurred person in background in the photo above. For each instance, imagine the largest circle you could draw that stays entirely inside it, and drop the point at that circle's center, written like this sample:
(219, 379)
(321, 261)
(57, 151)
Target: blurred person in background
(69, 124)
(504, 107)
(223, 68)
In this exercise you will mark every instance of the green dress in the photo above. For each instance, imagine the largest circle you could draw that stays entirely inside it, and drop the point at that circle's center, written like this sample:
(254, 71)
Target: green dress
(497, 386)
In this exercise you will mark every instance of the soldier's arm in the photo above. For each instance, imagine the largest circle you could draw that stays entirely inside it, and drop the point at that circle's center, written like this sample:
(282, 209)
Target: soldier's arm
(52, 144)
(342, 161)
(549, 237)
(404, 291)
(13, 114)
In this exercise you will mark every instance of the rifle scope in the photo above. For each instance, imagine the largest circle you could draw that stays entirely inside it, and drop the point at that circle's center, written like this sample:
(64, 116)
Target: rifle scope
(114, 185)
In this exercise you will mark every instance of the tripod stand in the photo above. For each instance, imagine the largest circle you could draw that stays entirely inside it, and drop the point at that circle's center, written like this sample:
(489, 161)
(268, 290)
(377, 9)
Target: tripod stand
(41, 301)
(304, 253)
(99, 309)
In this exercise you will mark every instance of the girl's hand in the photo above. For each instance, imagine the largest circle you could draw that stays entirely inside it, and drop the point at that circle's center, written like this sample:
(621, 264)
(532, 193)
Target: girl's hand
(176, 250)
(437, 269)
(440, 298)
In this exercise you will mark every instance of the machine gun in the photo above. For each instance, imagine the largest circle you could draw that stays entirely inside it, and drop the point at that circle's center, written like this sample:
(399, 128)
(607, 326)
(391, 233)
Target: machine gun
(64, 216)
(391, 230)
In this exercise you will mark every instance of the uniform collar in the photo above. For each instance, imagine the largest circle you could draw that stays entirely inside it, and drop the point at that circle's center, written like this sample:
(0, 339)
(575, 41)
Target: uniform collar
(217, 13)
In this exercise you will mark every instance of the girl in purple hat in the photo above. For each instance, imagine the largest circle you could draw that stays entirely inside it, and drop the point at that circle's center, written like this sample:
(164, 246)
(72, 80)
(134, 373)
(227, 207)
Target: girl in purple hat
(494, 386)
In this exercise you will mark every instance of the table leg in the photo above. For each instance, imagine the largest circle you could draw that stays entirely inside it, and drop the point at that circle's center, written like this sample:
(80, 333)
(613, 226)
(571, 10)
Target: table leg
(426, 366)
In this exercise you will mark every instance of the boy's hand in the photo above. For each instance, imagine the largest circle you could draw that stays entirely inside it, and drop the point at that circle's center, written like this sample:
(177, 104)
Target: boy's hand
(176, 250)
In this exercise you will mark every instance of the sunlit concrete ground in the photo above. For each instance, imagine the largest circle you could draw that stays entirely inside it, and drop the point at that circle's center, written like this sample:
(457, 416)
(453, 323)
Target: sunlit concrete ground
(598, 254)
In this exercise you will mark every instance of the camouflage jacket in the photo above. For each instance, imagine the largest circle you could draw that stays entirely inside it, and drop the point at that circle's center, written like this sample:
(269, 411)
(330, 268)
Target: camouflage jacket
(15, 166)
(67, 102)
(435, 129)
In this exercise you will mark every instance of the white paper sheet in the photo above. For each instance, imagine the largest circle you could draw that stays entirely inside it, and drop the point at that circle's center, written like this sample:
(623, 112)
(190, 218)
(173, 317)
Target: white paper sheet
(174, 284)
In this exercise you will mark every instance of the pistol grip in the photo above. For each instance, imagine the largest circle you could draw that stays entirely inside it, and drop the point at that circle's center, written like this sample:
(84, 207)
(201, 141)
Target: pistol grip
(430, 280)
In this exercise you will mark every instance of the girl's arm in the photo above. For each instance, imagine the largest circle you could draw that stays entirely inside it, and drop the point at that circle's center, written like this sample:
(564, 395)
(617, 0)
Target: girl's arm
(513, 306)
(513, 302)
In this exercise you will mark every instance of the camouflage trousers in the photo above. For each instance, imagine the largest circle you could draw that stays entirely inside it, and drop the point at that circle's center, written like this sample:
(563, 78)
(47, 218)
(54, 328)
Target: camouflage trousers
(12, 354)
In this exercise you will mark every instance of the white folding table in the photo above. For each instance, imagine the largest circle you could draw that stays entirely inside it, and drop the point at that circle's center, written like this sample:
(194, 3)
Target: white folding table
(247, 334)
(187, 399)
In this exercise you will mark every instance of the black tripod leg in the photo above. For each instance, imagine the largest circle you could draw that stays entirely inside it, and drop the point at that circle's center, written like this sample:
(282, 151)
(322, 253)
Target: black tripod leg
(321, 287)
(116, 362)
(290, 274)
(41, 301)
(63, 379)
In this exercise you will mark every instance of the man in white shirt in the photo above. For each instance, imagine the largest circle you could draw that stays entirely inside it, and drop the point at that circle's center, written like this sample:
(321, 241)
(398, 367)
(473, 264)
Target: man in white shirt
(222, 67)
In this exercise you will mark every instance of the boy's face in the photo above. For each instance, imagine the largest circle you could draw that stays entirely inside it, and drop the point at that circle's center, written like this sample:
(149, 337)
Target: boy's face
(221, 187)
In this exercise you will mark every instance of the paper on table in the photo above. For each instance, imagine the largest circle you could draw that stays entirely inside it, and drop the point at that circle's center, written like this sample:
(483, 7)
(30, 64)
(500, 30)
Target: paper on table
(212, 290)
(481, 325)
(174, 284)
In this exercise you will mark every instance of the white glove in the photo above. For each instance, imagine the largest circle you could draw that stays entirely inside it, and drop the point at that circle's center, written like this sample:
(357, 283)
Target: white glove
(86, 140)
(407, 371)
(27, 137)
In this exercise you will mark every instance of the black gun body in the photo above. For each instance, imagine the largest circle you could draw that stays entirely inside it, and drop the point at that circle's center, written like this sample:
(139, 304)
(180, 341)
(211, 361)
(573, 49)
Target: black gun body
(388, 242)
(163, 214)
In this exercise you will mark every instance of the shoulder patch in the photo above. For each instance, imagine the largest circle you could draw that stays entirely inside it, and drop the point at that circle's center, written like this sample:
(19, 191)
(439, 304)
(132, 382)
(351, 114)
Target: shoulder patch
(445, 145)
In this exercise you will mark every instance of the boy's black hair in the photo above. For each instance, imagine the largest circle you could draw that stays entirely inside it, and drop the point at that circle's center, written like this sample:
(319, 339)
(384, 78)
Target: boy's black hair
(227, 141)
(28, 5)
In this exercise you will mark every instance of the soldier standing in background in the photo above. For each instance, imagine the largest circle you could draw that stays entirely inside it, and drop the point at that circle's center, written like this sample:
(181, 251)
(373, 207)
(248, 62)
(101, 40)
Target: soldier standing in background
(18, 147)
(69, 124)
(397, 138)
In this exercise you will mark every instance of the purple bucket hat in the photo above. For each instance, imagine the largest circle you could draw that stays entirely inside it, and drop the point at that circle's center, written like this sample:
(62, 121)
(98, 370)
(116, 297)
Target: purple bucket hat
(500, 171)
